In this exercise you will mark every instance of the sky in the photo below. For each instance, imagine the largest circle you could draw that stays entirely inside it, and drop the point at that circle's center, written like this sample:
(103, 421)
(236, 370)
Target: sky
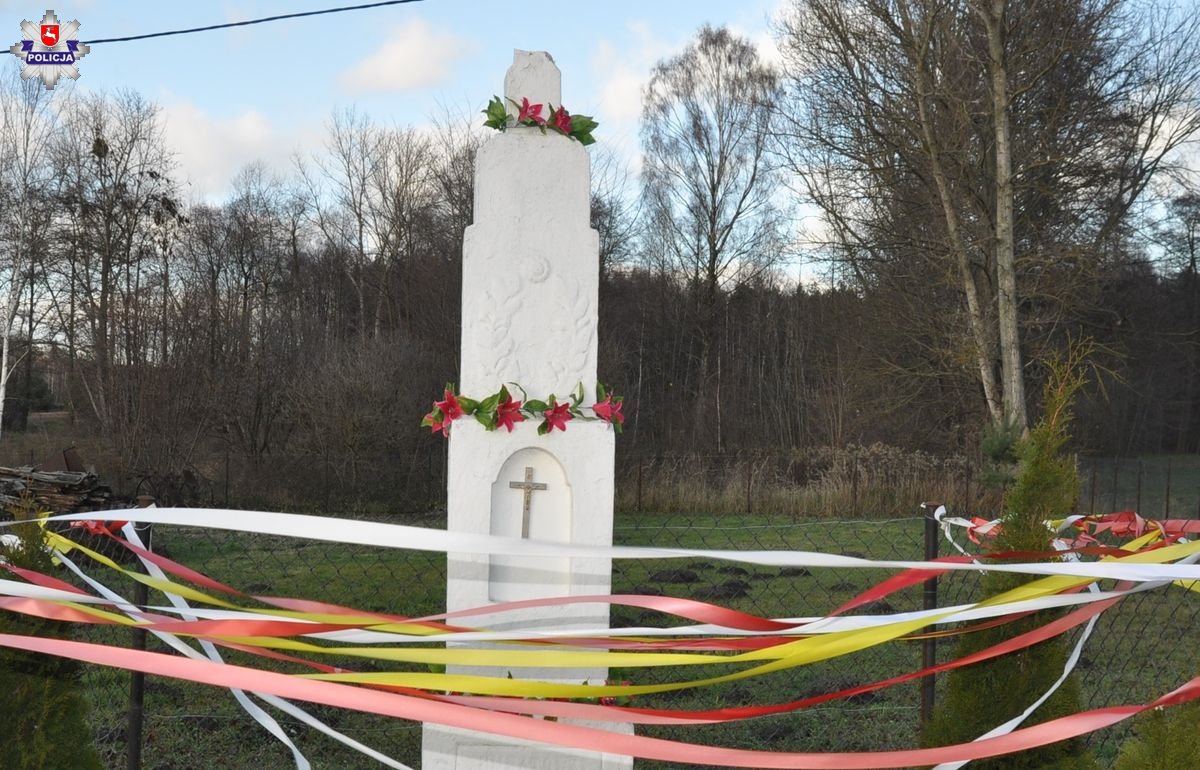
(266, 92)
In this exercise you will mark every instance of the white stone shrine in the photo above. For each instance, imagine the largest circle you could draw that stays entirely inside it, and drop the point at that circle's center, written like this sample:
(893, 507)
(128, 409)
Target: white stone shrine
(529, 296)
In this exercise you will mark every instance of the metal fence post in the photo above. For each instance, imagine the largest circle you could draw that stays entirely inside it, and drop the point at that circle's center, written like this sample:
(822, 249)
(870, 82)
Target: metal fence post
(137, 680)
(929, 601)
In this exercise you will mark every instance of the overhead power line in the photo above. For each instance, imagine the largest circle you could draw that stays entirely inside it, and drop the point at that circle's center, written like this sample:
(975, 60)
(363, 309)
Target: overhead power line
(249, 22)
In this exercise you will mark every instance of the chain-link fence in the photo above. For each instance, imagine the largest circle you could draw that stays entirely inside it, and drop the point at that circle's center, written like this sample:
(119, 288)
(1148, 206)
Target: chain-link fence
(1161, 487)
(184, 725)
(192, 726)
(778, 500)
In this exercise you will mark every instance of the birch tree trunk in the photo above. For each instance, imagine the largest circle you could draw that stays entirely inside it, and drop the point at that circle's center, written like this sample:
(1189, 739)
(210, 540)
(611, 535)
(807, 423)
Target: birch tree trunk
(979, 316)
(1011, 369)
(6, 319)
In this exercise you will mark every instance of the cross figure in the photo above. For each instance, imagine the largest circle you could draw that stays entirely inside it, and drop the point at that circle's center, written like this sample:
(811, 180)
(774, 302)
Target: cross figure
(528, 486)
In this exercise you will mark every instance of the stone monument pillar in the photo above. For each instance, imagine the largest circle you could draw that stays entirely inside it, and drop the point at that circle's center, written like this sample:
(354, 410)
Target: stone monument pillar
(530, 285)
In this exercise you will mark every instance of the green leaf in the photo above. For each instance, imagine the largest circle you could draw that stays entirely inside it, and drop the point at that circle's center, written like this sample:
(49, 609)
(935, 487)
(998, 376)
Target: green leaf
(469, 405)
(489, 404)
(536, 406)
(486, 419)
(543, 427)
(497, 115)
(585, 139)
(582, 124)
(577, 396)
(600, 391)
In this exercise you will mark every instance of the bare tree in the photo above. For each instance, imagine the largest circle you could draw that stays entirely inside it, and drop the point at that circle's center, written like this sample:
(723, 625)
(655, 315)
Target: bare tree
(1179, 237)
(339, 200)
(368, 196)
(25, 127)
(614, 211)
(709, 193)
(403, 194)
(118, 216)
(1003, 144)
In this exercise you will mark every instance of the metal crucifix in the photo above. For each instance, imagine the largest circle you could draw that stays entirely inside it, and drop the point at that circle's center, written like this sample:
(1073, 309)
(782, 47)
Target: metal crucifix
(529, 487)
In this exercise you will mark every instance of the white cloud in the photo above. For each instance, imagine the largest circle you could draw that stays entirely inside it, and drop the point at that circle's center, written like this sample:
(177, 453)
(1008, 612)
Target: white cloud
(758, 31)
(622, 71)
(768, 51)
(621, 88)
(212, 149)
(414, 56)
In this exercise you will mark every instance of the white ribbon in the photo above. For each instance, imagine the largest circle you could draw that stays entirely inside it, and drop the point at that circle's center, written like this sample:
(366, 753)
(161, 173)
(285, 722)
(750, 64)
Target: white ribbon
(355, 532)
(179, 646)
(1068, 667)
(1145, 577)
(108, 596)
(262, 717)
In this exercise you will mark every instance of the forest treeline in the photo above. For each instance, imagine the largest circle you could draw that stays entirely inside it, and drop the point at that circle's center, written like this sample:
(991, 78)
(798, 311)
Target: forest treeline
(990, 187)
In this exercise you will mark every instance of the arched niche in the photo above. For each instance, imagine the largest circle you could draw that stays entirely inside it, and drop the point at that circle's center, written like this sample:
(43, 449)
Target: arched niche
(531, 499)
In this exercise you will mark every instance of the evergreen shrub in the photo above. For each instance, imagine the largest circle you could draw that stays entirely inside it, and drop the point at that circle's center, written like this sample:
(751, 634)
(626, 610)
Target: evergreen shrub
(982, 696)
(42, 711)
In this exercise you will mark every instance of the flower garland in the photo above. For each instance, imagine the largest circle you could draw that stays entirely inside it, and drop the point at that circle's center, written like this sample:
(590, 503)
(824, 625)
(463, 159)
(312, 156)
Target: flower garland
(501, 410)
(575, 126)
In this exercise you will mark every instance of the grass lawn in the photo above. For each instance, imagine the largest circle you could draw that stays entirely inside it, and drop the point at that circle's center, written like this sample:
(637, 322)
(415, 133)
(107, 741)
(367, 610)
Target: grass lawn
(1139, 649)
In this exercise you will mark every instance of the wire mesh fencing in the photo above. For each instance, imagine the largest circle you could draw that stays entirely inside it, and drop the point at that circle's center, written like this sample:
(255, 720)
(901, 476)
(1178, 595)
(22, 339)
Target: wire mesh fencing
(1139, 649)
(185, 725)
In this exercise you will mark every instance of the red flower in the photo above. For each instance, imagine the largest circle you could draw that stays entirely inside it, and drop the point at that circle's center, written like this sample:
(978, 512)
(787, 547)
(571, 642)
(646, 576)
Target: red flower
(436, 421)
(451, 409)
(558, 416)
(531, 112)
(562, 120)
(608, 411)
(444, 413)
(508, 413)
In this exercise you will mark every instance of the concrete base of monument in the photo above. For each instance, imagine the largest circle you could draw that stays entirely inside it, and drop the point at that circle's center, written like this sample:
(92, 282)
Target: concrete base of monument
(447, 748)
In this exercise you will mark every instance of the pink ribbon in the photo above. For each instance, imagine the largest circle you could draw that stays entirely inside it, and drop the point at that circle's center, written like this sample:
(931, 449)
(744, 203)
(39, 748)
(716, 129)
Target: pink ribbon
(575, 736)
